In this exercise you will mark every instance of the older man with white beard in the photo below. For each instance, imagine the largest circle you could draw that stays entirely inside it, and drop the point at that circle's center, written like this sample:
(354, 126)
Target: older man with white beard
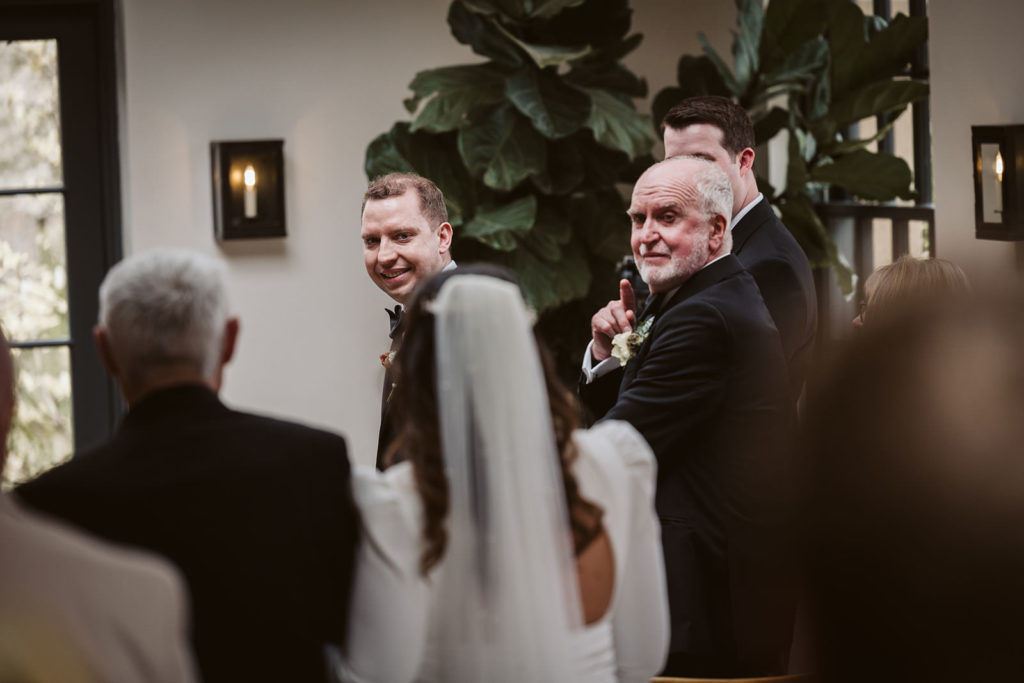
(700, 372)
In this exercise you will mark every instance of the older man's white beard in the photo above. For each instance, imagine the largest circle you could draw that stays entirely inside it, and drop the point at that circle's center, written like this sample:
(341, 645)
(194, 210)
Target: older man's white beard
(677, 271)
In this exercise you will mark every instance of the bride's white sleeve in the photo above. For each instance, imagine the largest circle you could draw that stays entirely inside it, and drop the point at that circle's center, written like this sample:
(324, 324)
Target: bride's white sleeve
(640, 622)
(388, 617)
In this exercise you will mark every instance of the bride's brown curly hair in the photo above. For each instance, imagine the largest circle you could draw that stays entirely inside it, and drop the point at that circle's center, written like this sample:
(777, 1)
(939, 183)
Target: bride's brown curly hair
(414, 409)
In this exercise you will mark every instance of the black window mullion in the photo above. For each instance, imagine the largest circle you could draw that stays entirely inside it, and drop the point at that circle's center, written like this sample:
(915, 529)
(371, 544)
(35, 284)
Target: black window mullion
(84, 30)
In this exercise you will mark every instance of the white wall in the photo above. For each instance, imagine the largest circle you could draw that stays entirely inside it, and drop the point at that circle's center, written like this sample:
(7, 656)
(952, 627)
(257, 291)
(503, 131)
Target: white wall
(327, 76)
(976, 55)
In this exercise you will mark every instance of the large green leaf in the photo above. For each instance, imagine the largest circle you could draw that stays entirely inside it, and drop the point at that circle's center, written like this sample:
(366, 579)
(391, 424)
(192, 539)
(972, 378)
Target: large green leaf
(696, 76)
(432, 156)
(545, 9)
(451, 93)
(546, 55)
(746, 42)
(504, 148)
(724, 72)
(855, 61)
(510, 8)
(602, 24)
(383, 157)
(547, 285)
(556, 109)
(564, 171)
(796, 167)
(847, 40)
(550, 232)
(618, 126)
(789, 24)
(768, 125)
(497, 226)
(614, 77)
(480, 33)
(603, 222)
(699, 76)
(839, 147)
(802, 66)
(869, 175)
(882, 97)
(602, 166)
(800, 218)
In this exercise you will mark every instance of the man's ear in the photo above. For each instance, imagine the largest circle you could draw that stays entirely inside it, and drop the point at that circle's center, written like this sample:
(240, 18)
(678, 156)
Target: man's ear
(99, 336)
(746, 161)
(719, 224)
(227, 348)
(444, 237)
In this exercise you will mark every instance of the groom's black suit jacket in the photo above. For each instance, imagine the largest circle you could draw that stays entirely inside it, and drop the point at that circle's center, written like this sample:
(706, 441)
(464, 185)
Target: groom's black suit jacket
(779, 266)
(256, 513)
(709, 391)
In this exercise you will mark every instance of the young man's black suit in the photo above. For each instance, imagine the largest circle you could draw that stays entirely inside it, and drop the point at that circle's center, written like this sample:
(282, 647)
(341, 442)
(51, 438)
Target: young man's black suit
(779, 266)
(257, 514)
(709, 391)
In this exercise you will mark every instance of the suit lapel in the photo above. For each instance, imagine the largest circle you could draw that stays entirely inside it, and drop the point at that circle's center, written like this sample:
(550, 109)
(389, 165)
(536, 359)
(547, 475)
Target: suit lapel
(721, 269)
(754, 219)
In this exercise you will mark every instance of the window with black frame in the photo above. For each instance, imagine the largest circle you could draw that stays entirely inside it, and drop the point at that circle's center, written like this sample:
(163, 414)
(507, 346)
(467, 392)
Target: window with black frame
(59, 222)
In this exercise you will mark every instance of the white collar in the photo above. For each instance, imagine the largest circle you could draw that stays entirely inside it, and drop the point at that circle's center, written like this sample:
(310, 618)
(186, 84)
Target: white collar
(745, 210)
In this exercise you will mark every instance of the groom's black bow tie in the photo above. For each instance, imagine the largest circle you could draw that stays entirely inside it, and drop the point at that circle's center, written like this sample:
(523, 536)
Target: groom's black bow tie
(396, 319)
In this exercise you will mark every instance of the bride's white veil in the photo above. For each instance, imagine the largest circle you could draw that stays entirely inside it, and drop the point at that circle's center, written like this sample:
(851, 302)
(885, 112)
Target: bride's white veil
(507, 600)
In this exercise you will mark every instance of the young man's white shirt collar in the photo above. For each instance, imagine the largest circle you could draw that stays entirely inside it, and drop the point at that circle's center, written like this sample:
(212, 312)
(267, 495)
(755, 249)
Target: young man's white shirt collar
(745, 210)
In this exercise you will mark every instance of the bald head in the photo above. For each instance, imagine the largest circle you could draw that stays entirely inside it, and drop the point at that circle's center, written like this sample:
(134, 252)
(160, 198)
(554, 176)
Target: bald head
(680, 214)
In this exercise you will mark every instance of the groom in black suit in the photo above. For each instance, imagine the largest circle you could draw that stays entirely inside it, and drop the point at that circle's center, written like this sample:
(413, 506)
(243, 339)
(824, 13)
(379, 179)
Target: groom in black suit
(717, 129)
(257, 513)
(406, 239)
(701, 374)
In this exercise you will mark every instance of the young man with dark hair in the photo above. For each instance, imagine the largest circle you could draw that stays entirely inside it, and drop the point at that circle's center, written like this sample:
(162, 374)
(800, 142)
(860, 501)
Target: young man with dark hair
(717, 129)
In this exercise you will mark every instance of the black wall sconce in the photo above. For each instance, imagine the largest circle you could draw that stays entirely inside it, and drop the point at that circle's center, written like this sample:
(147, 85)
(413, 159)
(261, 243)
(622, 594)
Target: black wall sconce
(248, 188)
(998, 182)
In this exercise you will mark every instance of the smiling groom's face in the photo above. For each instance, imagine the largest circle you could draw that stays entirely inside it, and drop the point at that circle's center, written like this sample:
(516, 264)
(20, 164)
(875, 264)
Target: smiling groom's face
(400, 247)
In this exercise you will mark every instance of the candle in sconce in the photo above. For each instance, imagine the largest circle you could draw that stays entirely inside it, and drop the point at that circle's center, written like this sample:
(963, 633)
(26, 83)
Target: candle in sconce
(250, 191)
(999, 166)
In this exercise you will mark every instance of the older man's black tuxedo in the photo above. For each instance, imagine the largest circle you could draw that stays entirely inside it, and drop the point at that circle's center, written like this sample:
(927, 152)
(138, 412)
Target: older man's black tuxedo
(257, 514)
(779, 266)
(709, 391)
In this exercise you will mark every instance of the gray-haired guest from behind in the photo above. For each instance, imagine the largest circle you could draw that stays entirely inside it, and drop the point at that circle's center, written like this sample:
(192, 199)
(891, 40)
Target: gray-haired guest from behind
(256, 512)
(164, 319)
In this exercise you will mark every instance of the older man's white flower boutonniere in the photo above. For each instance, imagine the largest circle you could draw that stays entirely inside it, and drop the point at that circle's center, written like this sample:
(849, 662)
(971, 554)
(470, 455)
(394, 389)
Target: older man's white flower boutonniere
(626, 344)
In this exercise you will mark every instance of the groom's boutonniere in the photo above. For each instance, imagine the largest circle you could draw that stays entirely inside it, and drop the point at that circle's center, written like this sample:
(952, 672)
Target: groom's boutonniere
(626, 344)
(386, 359)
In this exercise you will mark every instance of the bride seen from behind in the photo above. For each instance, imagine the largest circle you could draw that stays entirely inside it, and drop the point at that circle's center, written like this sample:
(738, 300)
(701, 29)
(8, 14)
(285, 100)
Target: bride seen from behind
(505, 546)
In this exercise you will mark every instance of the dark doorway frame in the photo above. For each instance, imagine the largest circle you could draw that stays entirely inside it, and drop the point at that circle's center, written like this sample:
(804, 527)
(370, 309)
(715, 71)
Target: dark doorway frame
(87, 38)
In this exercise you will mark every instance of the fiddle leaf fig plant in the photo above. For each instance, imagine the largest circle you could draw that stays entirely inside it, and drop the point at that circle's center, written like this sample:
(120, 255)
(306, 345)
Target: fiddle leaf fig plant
(528, 147)
(814, 68)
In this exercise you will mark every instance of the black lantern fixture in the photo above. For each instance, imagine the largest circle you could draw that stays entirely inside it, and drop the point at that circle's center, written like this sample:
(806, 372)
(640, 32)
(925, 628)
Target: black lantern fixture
(998, 182)
(248, 188)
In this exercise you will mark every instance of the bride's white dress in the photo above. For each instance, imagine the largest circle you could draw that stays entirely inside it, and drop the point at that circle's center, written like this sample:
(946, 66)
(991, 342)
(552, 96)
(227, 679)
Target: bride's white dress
(391, 626)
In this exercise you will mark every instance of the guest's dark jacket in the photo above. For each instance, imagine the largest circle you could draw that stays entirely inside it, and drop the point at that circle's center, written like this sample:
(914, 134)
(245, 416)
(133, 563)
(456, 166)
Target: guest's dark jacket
(709, 391)
(256, 513)
(770, 253)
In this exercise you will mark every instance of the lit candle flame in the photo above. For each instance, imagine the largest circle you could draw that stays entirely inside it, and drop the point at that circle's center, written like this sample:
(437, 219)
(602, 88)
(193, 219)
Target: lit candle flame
(999, 166)
(250, 174)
